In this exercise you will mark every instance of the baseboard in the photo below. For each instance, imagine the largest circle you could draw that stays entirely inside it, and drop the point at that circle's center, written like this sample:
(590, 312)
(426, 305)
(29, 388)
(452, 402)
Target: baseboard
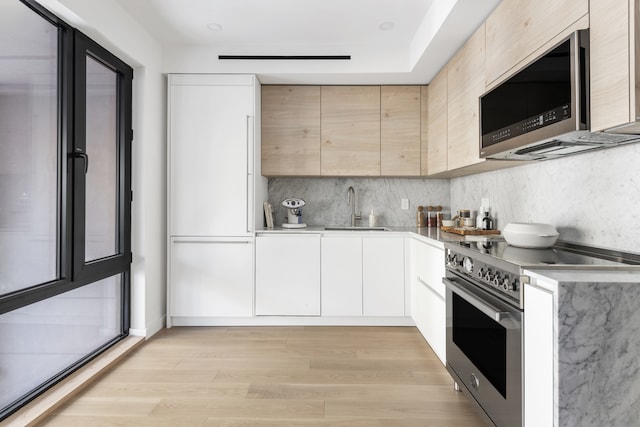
(292, 321)
(45, 404)
(151, 330)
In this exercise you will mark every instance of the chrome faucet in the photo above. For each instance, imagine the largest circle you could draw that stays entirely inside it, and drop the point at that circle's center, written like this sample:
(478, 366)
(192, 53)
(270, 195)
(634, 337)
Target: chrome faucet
(351, 195)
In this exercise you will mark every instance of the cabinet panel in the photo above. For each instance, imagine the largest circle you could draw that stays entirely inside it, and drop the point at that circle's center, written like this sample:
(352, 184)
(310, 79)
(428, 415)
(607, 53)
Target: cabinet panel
(383, 276)
(341, 276)
(400, 130)
(211, 278)
(465, 74)
(350, 129)
(538, 357)
(516, 28)
(437, 125)
(610, 67)
(288, 275)
(291, 130)
(208, 159)
(424, 135)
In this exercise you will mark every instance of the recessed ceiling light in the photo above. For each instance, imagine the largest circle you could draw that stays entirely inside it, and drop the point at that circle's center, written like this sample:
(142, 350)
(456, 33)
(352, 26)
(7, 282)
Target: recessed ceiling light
(214, 27)
(386, 26)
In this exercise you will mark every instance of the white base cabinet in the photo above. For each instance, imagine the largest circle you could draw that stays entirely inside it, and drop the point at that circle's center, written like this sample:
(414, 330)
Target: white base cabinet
(428, 308)
(210, 278)
(383, 286)
(341, 276)
(288, 275)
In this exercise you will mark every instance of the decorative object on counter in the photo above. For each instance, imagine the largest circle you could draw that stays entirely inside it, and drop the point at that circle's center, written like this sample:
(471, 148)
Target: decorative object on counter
(420, 217)
(530, 234)
(432, 219)
(268, 214)
(439, 216)
(294, 213)
(373, 220)
(448, 223)
(464, 231)
(462, 215)
(486, 223)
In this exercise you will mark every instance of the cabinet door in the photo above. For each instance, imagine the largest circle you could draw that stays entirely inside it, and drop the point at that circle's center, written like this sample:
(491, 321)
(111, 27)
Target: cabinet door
(465, 74)
(291, 130)
(208, 158)
(341, 273)
(288, 275)
(538, 357)
(350, 129)
(517, 28)
(383, 276)
(400, 131)
(437, 125)
(424, 135)
(428, 308)
(211, 278)
(610, 69)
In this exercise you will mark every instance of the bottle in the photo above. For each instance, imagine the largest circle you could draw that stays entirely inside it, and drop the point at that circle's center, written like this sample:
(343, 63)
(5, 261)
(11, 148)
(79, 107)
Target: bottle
(420, 217)
(431, 217)
(439, 216)
(480, 216)
(372, 219)
(487, 221)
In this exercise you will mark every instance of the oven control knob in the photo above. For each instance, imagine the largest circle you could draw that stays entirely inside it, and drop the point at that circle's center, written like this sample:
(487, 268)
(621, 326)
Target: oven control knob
(497, 280)
(506, 283)
(480, 273)
(451, 259)
(488, 276)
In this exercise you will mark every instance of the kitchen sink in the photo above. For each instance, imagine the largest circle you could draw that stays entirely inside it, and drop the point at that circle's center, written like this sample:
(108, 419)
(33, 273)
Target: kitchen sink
(363, 228)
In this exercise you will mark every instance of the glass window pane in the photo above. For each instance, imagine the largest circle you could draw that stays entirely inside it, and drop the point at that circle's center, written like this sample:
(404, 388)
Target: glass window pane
(28, 148)
(42, 339)
(102, 148)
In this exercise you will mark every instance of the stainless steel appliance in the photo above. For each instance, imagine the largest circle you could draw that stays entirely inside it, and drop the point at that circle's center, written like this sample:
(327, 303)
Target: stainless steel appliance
(485, 314)
(542, 111)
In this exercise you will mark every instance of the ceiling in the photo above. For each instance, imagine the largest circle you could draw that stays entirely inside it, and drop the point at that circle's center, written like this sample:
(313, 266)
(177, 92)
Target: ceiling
(389, 41)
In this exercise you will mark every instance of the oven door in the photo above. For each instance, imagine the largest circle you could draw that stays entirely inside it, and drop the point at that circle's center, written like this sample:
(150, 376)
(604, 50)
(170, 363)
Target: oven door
(484, 349)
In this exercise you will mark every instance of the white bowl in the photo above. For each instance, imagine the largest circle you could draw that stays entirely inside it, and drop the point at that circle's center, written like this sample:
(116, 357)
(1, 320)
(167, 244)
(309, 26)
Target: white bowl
(530, 235)
(448, 223)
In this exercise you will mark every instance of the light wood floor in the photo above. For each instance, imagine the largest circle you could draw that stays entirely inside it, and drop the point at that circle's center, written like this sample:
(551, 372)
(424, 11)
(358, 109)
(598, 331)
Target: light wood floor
(275, 376)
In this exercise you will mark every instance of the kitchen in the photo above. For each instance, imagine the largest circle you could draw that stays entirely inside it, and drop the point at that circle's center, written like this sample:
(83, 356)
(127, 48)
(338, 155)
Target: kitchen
(589, 197)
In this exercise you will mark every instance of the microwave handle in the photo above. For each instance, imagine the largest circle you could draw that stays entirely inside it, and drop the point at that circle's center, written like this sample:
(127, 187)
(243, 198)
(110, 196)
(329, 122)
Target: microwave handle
(487, 309)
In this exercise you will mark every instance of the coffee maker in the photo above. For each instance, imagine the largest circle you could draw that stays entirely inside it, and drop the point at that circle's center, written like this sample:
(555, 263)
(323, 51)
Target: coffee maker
(294, 213)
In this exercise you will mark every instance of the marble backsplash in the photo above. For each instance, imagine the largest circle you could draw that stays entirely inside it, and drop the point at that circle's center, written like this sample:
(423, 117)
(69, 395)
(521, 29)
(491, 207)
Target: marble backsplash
(591, 198)
(326, 198)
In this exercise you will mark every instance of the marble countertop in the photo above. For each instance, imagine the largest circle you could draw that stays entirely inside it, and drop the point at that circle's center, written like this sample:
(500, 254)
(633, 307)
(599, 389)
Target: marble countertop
(422, 233)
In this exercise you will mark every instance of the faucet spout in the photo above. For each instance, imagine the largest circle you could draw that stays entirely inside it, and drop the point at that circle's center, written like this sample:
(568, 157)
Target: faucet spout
(351, 200)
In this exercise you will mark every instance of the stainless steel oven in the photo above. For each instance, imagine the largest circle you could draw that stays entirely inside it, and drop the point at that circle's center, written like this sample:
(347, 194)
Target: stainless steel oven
(485, 314)
(484, 350)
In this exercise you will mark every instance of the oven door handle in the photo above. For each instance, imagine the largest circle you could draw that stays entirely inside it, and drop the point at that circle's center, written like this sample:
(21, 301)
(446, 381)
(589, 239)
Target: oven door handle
(487, 309)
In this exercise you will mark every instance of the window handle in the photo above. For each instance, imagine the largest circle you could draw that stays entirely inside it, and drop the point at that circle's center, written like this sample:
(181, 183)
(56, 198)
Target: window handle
(84, 157)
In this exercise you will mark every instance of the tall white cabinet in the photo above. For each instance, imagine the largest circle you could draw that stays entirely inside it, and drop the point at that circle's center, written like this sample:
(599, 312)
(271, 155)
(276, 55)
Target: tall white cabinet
(214, 196)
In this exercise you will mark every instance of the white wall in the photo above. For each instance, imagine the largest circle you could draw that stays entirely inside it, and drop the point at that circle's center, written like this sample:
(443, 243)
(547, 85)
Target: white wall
(108, 24)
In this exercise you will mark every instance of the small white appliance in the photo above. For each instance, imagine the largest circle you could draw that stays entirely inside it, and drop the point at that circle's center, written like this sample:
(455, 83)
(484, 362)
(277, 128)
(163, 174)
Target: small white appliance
(294, 213)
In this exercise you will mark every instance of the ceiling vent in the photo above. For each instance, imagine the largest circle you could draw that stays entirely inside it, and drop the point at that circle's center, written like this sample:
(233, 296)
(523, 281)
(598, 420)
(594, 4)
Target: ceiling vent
(287, 57)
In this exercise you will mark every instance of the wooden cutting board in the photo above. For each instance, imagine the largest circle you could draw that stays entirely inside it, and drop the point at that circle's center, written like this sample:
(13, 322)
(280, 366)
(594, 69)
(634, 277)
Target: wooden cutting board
(468, 231)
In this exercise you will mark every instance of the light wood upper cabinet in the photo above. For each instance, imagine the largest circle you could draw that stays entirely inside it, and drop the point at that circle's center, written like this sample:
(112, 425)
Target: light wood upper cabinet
(350, 129)
(465, 74)
(517, 28)
(613, 65)
(291, 130)
(424, 120)
(437, 125)
(400, 131)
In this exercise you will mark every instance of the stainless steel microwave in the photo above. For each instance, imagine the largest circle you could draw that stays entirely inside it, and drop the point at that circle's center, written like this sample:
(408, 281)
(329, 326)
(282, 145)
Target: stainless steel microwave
(541, 111)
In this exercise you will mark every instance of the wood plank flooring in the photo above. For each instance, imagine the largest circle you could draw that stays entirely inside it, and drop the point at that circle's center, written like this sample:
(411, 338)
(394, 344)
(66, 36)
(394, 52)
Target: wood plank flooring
(274, 376)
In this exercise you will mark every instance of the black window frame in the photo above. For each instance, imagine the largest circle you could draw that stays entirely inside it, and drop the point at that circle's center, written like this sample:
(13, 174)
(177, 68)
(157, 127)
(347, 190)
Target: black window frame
(73, 271)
